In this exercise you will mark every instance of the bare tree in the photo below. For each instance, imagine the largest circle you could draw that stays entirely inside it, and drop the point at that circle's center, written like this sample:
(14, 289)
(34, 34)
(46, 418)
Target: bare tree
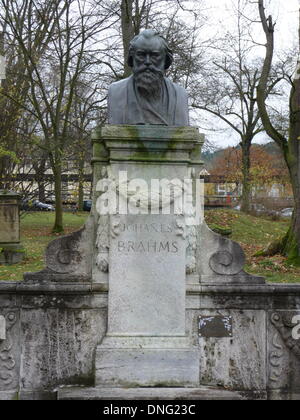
(54, 39)
(11, 135)
(230, 91)
(165, 17)
(87, 111)
(288, 144)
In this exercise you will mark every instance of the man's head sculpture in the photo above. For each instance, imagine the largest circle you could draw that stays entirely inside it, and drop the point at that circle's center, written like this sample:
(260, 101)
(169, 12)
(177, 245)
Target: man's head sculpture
(148, 97)
(149, 57)
(153, 39)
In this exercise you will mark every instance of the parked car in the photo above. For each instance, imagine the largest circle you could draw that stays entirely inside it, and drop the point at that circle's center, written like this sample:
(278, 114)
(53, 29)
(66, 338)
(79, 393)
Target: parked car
(39, 206)
(286, 213)
(259, 209)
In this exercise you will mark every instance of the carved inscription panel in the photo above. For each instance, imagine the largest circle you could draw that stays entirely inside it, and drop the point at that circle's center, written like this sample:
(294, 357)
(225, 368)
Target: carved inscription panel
(148, 238)
(147, 276)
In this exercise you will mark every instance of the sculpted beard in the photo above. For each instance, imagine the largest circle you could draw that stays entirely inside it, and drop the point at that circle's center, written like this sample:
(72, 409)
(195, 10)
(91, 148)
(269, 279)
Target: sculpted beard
(149, 81)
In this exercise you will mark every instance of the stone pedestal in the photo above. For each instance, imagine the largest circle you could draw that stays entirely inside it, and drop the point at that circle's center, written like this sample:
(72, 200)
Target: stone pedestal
(11, 251)
(151, 362)
(172, 313)
(145, 257)
(156, 394)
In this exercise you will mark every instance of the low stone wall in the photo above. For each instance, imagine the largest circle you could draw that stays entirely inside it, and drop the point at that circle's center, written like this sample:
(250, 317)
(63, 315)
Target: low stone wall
(52, 330)
(52, 333)
(261, 359)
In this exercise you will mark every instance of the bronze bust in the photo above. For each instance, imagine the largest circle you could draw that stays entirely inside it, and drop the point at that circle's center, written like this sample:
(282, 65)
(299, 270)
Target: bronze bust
(148, 97)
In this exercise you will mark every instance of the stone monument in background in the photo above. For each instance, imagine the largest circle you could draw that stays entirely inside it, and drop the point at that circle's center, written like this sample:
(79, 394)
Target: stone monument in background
(11, 250)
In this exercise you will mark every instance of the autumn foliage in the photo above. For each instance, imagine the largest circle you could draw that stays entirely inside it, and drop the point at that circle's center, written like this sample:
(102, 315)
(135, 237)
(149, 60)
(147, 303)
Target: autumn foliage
(266, 167)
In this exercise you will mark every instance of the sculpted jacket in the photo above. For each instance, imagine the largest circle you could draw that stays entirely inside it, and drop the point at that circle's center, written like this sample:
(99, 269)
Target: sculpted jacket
(126, 106)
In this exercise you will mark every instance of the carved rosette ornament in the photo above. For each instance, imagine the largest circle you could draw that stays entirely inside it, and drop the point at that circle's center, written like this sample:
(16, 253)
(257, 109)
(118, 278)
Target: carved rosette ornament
(228, 262)
(7, 362)
(62, 254)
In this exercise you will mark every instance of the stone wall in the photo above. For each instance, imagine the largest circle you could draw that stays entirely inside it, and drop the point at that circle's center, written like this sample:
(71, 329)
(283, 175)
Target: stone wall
(52, 331)
(261, 359)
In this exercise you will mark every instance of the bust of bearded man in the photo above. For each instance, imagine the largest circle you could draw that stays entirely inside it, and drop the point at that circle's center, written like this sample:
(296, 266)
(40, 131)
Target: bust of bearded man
(148, 97)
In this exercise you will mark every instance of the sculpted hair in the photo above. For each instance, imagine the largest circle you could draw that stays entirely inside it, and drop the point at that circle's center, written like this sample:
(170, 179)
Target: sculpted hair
(150, 33)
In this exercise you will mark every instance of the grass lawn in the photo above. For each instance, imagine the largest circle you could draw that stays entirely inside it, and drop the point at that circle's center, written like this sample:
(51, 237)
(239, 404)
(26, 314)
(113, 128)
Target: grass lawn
(251, 232)
(35, 235)
(254, 234)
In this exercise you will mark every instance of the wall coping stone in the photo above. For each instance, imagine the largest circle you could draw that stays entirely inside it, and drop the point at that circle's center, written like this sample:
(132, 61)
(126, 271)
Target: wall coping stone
(194, 289)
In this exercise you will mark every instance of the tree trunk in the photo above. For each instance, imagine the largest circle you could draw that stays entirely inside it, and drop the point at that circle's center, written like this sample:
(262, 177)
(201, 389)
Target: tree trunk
(40, 169)
(58, 224)
(41, 189)
(127, 31)
(1, 173)
(290, 247)
(80, 185)
(5, 182)
(291, 242)
(290, 147)
(292, 157)
(246, 166)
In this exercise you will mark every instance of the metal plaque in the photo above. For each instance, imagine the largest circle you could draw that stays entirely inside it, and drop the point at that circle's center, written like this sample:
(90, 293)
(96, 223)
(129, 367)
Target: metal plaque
(215, 326)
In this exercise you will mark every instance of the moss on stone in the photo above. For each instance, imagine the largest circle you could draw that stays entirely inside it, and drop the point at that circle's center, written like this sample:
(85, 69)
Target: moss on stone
(221, 230)
(11, 248)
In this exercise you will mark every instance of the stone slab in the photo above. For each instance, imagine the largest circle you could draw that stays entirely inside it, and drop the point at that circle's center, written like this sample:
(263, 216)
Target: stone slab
(197, 394)
(149, 143)
(135, 342)
(11, 253)
(9, 221)
(38, 395)
(237, 362)
(58, 347)
(9, 395)
(2, 328)
(145, 296)
(283, 395)
(147, 367)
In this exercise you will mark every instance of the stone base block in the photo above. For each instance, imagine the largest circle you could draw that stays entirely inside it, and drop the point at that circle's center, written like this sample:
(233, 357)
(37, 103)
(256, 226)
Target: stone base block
(37, 395)
(11, 254)
(145, 342)
(8, 395)
(147, 367)
(140, 394)
(284, 395)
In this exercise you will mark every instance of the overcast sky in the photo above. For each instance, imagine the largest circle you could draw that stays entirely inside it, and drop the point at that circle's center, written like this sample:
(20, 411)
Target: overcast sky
(286, 14)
